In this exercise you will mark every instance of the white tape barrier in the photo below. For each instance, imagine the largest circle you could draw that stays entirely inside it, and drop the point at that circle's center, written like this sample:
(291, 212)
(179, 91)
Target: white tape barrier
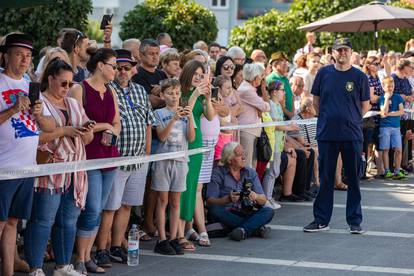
(93, 164)
(268, 124)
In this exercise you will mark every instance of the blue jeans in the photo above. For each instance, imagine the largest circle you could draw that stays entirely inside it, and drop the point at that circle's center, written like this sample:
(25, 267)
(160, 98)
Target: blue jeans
(99, 187)
(56, 213)
(233, 220)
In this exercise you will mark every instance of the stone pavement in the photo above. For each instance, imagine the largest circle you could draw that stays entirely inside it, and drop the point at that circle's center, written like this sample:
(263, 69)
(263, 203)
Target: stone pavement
(385, 249)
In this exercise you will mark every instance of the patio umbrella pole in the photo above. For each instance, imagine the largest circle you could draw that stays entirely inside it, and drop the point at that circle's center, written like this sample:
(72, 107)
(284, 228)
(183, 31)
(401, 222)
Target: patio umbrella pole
(376, 34)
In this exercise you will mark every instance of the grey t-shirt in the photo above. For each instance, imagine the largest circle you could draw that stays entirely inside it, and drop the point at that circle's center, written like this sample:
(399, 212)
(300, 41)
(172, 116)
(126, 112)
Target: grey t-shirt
(177, 139)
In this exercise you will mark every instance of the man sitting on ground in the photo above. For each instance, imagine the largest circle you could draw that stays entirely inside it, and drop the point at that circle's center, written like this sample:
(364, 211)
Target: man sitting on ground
(235, 197)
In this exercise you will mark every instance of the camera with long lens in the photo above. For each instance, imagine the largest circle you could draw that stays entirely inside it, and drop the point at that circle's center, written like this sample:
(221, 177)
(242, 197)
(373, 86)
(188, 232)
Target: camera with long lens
(247, 205)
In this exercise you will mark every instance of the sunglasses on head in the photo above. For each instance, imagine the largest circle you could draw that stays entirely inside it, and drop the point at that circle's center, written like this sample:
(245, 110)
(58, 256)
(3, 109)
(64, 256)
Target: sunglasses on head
(78, 36)
(126, 68)
(227, 67)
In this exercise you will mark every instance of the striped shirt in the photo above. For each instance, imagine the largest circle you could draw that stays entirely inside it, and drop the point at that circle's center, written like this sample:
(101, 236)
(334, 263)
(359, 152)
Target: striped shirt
(136, 114)
(308, 132)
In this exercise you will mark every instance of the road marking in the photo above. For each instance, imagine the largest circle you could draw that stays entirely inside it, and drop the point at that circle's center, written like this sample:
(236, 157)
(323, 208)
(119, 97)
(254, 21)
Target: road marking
(403, 190)
(281, 262)
(376, 208)
(398, 184)
(345, 231)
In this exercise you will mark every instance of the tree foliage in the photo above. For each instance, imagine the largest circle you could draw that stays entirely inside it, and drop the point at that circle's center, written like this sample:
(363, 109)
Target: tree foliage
(44, 22)
(185, 21)
(277, 31)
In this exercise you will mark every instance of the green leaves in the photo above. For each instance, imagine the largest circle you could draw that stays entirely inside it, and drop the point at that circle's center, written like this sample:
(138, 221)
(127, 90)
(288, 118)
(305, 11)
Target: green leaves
(44, 22)
(276, 31)
(184, 20)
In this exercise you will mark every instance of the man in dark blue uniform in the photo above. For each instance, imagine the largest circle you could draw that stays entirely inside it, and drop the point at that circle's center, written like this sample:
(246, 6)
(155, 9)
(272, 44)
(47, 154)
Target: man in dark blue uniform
(341, 97)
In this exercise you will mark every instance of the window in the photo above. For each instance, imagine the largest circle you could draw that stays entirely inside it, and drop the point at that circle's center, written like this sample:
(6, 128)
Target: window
(219, 4)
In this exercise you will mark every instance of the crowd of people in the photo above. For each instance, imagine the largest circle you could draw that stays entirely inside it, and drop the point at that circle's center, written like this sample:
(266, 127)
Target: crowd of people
(149, 98)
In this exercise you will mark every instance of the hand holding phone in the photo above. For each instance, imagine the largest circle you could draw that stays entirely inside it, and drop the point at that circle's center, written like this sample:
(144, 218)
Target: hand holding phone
(106, 19)
(214, 93)
(88, 126)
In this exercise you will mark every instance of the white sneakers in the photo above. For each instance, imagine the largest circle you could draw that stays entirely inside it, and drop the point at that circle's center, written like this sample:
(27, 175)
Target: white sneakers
(67, 270)
(37, 272)
(273, 204)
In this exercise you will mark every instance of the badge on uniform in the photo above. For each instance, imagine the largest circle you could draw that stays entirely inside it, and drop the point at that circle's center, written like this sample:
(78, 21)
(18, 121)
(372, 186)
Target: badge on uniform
(349, 86)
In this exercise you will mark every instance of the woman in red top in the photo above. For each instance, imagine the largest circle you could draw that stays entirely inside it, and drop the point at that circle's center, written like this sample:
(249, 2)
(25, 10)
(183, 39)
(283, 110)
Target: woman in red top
(100, 104)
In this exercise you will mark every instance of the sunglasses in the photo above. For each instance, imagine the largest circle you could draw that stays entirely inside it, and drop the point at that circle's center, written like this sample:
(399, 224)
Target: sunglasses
(375, 63)
(126, 68)
(65, 84)
(79, 36)
(227, 67)
(113, 66)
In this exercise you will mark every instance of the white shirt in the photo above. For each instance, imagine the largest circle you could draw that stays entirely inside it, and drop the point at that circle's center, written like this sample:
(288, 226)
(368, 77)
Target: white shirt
(19, 135)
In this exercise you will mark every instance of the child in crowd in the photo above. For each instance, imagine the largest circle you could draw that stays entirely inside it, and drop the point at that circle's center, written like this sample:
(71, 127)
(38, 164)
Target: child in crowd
(175, 128)
(231, 100)
(392, 107)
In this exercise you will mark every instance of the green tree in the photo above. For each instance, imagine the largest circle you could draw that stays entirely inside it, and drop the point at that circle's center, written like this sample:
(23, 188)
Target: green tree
(94, 31)
(44, 22)
(184, 20)
(275, 31)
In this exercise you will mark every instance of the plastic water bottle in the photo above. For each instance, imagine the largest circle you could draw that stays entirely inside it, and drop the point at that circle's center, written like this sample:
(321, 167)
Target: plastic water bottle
(133, 246)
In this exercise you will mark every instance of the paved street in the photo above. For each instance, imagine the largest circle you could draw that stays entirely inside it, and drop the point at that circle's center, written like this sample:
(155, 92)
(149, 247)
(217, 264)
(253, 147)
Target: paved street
(385, 249)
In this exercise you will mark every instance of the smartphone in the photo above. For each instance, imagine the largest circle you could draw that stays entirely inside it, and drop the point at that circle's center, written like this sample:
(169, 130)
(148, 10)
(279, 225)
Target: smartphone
(383, 50)
(87, 124)
(109, 139)
(105, 20)
(34, 92)
(214, 93)
(183, 102)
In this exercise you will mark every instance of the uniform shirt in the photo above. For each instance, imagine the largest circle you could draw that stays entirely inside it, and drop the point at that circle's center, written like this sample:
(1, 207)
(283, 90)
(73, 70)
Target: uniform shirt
(340, 108)
(288, 90)
(19, 135)
(136, 114)
(391, 121)
(223, 182)
(147, 79)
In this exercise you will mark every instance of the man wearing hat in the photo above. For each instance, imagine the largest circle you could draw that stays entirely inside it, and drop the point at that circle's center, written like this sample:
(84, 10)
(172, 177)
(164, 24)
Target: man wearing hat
(280, 68)
(341, 97)
(137, 117)
(19, 136)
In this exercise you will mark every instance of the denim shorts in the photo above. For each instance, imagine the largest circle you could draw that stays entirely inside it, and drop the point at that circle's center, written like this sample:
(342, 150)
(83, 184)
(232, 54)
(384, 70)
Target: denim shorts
(390, 137)
(16, 198)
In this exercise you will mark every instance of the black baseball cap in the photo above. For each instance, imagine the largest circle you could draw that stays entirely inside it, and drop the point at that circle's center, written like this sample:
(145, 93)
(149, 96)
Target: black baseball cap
(343, 42)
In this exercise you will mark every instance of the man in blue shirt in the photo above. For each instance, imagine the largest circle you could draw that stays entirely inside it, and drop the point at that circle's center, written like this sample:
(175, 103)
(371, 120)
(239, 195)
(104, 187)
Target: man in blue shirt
(392, 107)
(341, 97)
(226, 196)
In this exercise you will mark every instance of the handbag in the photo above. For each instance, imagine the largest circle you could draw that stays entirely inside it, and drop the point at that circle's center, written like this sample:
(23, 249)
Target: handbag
(44, 157)
(263, 148)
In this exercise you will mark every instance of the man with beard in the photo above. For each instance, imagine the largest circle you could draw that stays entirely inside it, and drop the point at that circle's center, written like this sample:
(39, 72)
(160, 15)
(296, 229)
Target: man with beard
(341, 97)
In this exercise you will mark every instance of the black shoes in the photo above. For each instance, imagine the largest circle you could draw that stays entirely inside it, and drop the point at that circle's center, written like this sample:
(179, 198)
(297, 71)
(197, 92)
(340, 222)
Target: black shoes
(167, 247)
(314, 227)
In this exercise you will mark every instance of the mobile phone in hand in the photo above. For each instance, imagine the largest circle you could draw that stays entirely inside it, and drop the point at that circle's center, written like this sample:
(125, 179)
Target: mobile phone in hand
(34, 92)
(105, 21)
(183, 102)
(214, 92)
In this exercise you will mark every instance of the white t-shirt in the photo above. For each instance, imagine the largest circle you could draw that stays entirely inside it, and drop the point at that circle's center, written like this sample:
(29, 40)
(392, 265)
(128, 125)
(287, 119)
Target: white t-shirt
(19, 135)
(308, 80)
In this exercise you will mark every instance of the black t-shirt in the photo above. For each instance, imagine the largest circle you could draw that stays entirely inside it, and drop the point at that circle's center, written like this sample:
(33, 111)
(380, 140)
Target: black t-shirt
(147, 79)
(80, 76)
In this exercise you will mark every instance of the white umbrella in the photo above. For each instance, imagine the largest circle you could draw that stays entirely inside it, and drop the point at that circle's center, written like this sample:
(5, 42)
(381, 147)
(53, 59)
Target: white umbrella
(370, 17)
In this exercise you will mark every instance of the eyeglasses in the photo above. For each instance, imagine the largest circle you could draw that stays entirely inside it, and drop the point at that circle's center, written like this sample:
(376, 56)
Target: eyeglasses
(227, 67)
(126, 68)
(113, 66)
(65, 84)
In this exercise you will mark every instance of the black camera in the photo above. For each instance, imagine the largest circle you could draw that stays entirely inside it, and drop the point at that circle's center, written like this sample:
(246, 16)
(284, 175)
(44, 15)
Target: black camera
(247, 205)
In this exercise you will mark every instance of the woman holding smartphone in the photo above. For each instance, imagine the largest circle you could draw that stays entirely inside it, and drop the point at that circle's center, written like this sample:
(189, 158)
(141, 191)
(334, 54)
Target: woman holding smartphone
(100, 104)
(58, 198)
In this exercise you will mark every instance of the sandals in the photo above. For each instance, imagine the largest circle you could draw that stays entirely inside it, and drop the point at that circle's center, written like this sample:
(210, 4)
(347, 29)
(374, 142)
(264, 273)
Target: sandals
(92, 267)
(204, 240)
(80, 267)
(341, 186)
(144, 236)
(186, 245)
(192, 235)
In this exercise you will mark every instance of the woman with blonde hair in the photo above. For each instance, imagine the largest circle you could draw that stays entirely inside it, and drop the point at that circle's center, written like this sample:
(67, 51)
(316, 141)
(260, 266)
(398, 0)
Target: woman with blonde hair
(51, 54)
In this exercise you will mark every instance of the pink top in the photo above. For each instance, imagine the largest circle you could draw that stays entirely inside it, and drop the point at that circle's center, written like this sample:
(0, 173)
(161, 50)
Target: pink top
(252, 104)
(210, 129)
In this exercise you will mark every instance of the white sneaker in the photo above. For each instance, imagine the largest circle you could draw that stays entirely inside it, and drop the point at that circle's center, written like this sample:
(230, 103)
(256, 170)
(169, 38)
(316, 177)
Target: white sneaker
(37, 272)
(273, 204)
(67, 270)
